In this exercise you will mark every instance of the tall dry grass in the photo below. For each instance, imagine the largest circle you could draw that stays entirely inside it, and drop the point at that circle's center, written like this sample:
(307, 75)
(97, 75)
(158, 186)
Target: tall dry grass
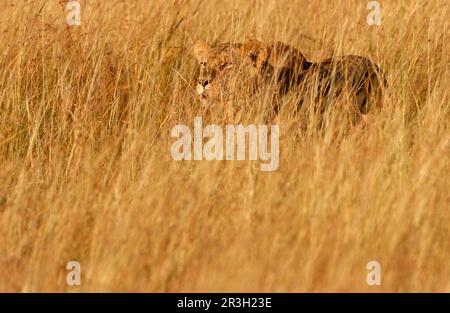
(87, 174)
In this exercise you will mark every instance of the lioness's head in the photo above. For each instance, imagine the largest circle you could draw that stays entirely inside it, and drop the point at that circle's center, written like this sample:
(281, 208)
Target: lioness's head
(278, 64)
(267, 57)
(256, 52)
(216, 66)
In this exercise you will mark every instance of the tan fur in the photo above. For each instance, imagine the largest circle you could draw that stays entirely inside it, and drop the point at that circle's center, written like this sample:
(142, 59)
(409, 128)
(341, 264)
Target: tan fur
(285, 66)
(218, 66)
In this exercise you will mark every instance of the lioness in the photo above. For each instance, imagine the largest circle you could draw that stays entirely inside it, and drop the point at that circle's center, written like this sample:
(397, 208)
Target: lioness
(288, 68)
(225, 68)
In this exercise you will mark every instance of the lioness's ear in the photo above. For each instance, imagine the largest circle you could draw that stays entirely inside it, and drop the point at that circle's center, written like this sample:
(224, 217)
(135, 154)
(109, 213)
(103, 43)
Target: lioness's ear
(252, 38)
(201, 49)
(252, 44)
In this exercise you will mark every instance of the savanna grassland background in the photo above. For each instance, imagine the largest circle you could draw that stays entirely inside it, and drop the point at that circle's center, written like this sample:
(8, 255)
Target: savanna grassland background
(86, 172)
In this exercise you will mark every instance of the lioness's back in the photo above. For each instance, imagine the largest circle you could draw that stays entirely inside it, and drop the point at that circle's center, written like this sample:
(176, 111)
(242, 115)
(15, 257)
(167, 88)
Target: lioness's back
(359, 75)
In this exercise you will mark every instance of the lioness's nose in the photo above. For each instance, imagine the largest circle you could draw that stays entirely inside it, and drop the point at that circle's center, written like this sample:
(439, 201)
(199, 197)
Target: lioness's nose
(203, 82)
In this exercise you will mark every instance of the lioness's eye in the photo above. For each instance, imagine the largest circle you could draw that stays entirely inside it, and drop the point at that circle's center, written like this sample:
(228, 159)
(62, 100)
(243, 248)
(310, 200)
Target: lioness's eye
(226, 66)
